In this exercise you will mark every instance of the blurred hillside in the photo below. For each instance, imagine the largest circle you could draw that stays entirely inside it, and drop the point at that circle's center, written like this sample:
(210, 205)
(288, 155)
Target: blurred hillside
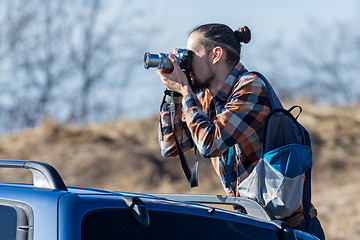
(124, 155)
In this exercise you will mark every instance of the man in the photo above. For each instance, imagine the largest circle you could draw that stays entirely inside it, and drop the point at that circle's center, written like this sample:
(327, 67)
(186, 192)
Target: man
(242, 105)
(231, 110)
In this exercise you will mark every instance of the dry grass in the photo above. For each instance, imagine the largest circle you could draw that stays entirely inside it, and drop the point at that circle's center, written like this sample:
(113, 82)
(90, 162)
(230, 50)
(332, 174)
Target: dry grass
(124, 156)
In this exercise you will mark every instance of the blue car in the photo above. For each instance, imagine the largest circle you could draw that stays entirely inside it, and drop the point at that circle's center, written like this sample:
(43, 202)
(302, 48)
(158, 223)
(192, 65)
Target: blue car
(48, 209)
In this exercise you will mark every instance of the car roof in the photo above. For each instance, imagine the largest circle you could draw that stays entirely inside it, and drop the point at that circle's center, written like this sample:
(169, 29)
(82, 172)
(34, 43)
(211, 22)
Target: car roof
(49, 187)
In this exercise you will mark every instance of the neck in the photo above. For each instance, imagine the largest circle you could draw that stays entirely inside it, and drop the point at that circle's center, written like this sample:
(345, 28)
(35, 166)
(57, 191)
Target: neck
(221, 74)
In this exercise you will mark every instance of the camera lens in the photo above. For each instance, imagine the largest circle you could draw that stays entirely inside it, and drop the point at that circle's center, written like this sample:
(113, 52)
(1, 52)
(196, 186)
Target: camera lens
(160, 61)
(151, 60)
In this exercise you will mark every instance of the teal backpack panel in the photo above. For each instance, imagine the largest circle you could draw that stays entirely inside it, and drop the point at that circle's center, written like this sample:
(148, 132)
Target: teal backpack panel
(290, 160)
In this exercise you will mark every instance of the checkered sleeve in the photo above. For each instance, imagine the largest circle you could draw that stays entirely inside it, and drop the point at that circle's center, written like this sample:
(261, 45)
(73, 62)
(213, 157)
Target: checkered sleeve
(244, 112)
(165, 131)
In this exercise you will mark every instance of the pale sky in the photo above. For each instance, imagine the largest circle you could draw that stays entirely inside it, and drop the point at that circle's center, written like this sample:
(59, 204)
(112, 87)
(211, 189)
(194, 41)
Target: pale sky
(263, 17)
(176, 19)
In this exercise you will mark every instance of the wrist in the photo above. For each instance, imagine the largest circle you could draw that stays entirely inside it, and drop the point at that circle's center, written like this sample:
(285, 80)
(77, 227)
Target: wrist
(186, 90)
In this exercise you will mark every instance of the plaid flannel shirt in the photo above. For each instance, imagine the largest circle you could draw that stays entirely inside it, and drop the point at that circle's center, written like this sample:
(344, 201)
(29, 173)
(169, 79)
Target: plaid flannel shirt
(234, 117)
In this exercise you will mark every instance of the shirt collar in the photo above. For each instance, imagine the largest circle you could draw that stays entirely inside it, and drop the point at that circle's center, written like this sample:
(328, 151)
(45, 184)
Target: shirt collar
(230, 82)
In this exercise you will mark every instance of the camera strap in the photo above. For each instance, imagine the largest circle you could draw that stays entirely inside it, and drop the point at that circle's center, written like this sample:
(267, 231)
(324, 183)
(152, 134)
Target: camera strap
(191, 176)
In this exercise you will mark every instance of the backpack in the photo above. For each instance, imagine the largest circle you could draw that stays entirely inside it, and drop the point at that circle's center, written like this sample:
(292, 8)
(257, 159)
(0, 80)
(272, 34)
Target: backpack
(281, 179)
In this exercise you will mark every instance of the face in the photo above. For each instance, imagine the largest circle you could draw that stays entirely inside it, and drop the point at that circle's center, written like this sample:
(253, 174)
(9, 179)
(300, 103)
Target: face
(202, 72)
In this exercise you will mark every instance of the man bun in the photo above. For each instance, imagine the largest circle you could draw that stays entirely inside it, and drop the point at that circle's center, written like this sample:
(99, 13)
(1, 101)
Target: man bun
(243, 34)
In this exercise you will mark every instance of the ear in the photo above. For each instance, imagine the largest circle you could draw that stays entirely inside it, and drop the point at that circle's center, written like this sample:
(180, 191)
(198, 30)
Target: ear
(218, 53)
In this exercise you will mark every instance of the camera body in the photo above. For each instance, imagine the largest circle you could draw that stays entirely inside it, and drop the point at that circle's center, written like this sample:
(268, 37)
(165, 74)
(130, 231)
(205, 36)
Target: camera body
(161, 60)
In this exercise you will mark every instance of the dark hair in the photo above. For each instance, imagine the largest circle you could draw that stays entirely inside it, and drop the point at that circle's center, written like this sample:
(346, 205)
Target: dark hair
(215, 34)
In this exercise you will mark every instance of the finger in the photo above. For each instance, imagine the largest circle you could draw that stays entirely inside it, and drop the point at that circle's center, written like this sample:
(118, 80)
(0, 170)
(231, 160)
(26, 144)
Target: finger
(172, 57)
(174, 62)
(160, 73)
(164, 77)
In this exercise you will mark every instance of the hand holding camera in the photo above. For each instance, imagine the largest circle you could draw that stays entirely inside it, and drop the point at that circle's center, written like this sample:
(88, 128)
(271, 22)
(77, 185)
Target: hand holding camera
(179, 65)
(161, 60)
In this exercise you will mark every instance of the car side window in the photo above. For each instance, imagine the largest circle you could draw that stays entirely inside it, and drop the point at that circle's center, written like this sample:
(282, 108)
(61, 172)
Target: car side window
(16, 221)
(8, 222)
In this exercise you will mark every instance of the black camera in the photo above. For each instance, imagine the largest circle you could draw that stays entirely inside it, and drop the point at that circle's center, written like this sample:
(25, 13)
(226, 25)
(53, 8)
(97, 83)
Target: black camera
(161, 60)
